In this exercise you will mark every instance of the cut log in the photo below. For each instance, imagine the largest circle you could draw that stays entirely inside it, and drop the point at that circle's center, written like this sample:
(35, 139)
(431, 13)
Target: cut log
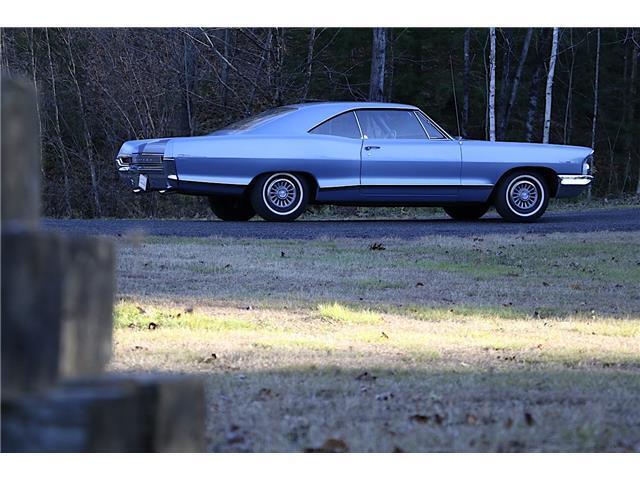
(31, 310)
(87, 319)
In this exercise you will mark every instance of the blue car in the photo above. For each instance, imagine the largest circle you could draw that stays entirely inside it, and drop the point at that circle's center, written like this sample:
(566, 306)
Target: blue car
(276, 163)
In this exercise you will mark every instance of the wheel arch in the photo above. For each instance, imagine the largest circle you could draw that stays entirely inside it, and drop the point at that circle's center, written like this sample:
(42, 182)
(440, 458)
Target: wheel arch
(548, 174)
(310, 179)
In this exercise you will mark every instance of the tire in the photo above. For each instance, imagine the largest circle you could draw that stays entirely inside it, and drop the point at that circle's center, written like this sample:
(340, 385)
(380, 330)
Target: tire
(467, 212)
(235, 209)
(280, 197)
(522, 196)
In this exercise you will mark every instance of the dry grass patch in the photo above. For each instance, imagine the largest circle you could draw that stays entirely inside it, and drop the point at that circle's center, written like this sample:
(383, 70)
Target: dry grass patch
(499, 343)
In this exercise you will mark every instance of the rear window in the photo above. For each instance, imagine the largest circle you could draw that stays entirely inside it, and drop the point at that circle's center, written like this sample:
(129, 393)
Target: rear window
(343, 125)
(255, 120)
(398, 124)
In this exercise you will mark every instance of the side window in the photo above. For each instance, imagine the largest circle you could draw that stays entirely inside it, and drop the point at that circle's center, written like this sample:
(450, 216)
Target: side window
(433, 132)
(344, 125)
(400, 124)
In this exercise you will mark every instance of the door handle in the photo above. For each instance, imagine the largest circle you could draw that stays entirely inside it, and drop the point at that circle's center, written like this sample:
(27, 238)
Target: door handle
(372, 147)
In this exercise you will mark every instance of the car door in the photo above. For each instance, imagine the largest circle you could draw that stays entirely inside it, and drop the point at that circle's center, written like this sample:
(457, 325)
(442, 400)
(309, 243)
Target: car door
(401, 162)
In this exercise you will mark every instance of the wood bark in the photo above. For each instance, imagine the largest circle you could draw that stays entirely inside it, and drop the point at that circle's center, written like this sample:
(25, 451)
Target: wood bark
(549, 89)
(492, 85)
(378, 60)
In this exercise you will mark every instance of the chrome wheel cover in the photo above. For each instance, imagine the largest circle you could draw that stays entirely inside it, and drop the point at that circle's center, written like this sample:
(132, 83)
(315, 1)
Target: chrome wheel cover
(525, 195)
(282, 193)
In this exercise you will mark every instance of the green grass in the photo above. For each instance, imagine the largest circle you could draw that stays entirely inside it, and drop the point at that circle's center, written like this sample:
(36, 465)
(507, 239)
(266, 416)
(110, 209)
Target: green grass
(340, 313)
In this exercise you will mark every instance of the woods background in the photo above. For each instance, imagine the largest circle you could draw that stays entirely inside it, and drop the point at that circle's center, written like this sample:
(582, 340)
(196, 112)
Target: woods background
(100, 87)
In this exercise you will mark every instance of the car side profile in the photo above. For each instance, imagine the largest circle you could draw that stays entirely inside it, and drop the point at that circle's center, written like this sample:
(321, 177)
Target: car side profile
(278, 162)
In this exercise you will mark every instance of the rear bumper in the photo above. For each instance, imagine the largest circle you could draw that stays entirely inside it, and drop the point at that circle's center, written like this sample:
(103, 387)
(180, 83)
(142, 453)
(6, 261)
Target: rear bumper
(157, 176)
(572, 185)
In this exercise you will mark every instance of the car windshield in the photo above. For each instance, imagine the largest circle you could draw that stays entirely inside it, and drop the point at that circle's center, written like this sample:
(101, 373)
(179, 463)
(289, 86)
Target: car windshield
(255, 120)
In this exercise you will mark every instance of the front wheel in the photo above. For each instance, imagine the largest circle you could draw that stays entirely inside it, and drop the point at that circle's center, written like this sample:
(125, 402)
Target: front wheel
(231, 208)
(522, 197)
(280, 197)
(467, 212)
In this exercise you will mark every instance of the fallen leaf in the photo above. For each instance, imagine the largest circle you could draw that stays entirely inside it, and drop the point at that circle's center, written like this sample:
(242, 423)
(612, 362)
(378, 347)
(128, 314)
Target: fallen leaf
(330, 445)
(529, 419)
(366, 376)
(419, 418)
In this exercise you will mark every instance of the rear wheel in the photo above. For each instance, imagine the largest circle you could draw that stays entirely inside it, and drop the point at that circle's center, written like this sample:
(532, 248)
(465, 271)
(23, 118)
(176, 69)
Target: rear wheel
(522, 196)
(237, 209)
(280, 197)
(467, 212)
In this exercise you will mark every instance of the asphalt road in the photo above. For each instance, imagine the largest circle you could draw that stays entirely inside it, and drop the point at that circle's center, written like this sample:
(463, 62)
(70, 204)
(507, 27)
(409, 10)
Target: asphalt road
(622, 219)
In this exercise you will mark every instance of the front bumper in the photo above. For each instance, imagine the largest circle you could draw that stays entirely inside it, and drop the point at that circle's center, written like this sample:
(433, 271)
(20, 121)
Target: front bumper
(572, 185)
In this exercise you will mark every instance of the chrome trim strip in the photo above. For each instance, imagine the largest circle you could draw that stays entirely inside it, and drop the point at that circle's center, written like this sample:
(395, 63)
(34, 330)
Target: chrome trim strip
(218, 180)
(575, 179)
(172, 177)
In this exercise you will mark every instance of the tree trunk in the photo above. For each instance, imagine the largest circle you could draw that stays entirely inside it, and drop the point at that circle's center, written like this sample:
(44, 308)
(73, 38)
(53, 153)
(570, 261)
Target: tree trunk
(566, 137)
(634, 97)
(34, 77)
(492, 85)
(58, 131)
(596, 91)
(549, 89)
(378, 59)
(309, 68)
(504, 123)
(503, 92)
(87, 133)
(465, 81)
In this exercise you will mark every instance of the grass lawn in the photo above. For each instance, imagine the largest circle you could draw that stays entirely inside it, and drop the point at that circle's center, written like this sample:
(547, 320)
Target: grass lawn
(492, 343)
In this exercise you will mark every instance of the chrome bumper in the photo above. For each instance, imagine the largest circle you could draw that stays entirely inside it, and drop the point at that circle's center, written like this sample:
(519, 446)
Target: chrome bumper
(580, 180)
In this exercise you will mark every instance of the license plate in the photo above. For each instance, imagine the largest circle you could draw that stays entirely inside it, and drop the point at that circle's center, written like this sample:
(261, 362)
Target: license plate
(142, 182)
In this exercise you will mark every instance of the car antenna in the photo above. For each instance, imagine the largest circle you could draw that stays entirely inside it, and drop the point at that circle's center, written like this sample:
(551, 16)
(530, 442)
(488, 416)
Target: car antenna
(455, 100)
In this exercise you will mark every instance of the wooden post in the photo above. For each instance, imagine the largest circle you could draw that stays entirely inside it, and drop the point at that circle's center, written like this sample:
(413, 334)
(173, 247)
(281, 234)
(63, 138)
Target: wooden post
(20, 154)
(57, 304)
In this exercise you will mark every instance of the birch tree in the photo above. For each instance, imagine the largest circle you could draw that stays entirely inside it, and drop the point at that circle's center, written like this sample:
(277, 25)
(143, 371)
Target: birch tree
(549, 89)
(492, 85)
(378, 60)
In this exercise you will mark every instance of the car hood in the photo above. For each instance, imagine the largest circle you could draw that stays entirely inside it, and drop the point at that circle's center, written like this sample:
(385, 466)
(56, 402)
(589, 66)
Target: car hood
(540, 147)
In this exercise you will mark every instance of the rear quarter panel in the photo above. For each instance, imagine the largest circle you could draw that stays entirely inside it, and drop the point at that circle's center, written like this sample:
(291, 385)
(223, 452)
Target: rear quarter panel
(238, 159)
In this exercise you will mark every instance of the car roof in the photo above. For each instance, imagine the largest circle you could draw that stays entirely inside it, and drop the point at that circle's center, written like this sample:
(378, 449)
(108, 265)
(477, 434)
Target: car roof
(304, 116)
